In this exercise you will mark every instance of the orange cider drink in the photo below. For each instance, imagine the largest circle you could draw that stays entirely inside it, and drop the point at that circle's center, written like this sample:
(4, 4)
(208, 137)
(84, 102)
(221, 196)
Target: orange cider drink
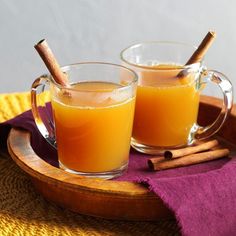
(168, 95)
(166, 107)
(92, 119)
(93, 127)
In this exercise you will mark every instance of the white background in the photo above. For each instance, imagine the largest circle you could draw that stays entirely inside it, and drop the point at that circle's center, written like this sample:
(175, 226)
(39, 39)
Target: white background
(91, 30)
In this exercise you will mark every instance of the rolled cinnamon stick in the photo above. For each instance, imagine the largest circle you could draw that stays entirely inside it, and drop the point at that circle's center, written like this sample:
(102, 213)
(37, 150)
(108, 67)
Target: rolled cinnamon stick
(200, 52)
(202, 48)
(190, 150)
(161, 164)
(51, 63)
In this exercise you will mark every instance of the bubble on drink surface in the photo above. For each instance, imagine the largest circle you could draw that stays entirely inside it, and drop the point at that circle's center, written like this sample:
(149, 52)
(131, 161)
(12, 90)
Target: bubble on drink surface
(111, 98)
(148, 63)
(153, 63)
(122, 95)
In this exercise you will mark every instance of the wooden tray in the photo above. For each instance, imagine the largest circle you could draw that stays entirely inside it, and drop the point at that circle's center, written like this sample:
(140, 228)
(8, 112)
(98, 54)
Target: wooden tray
(103, 198)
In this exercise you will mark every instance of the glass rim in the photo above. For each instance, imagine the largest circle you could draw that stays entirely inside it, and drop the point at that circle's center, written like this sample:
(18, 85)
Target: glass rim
(135, 45)
(66, 68)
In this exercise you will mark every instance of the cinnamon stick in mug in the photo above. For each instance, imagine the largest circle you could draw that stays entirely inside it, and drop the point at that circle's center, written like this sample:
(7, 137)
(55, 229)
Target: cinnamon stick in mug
(51, 63)
(202, 48)
(190, 150)
(161, 164)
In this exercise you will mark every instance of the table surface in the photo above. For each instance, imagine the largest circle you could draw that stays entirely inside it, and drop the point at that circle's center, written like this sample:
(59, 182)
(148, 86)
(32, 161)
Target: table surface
(25, 212)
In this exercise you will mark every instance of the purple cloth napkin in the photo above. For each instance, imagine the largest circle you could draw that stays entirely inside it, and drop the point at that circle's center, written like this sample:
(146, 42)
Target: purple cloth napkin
(202, 197)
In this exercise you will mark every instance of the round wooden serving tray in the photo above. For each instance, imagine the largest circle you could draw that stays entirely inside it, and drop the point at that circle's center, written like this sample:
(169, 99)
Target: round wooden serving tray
(103, 198)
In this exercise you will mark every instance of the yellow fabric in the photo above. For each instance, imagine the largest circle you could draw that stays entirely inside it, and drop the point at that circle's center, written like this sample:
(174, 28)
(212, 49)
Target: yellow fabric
(15, 103)
(24, 212)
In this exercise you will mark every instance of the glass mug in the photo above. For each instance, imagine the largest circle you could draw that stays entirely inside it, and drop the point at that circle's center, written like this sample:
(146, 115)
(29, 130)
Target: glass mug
(93, 117)
(168, 96)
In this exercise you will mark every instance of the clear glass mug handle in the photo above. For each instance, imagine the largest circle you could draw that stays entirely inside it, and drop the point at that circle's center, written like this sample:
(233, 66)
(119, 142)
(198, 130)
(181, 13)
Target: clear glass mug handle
(226, 87)
(41, 115)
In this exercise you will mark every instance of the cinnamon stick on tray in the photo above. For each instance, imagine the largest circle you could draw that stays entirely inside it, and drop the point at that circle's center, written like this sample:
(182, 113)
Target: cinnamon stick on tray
(190, 150)
(162, 164)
